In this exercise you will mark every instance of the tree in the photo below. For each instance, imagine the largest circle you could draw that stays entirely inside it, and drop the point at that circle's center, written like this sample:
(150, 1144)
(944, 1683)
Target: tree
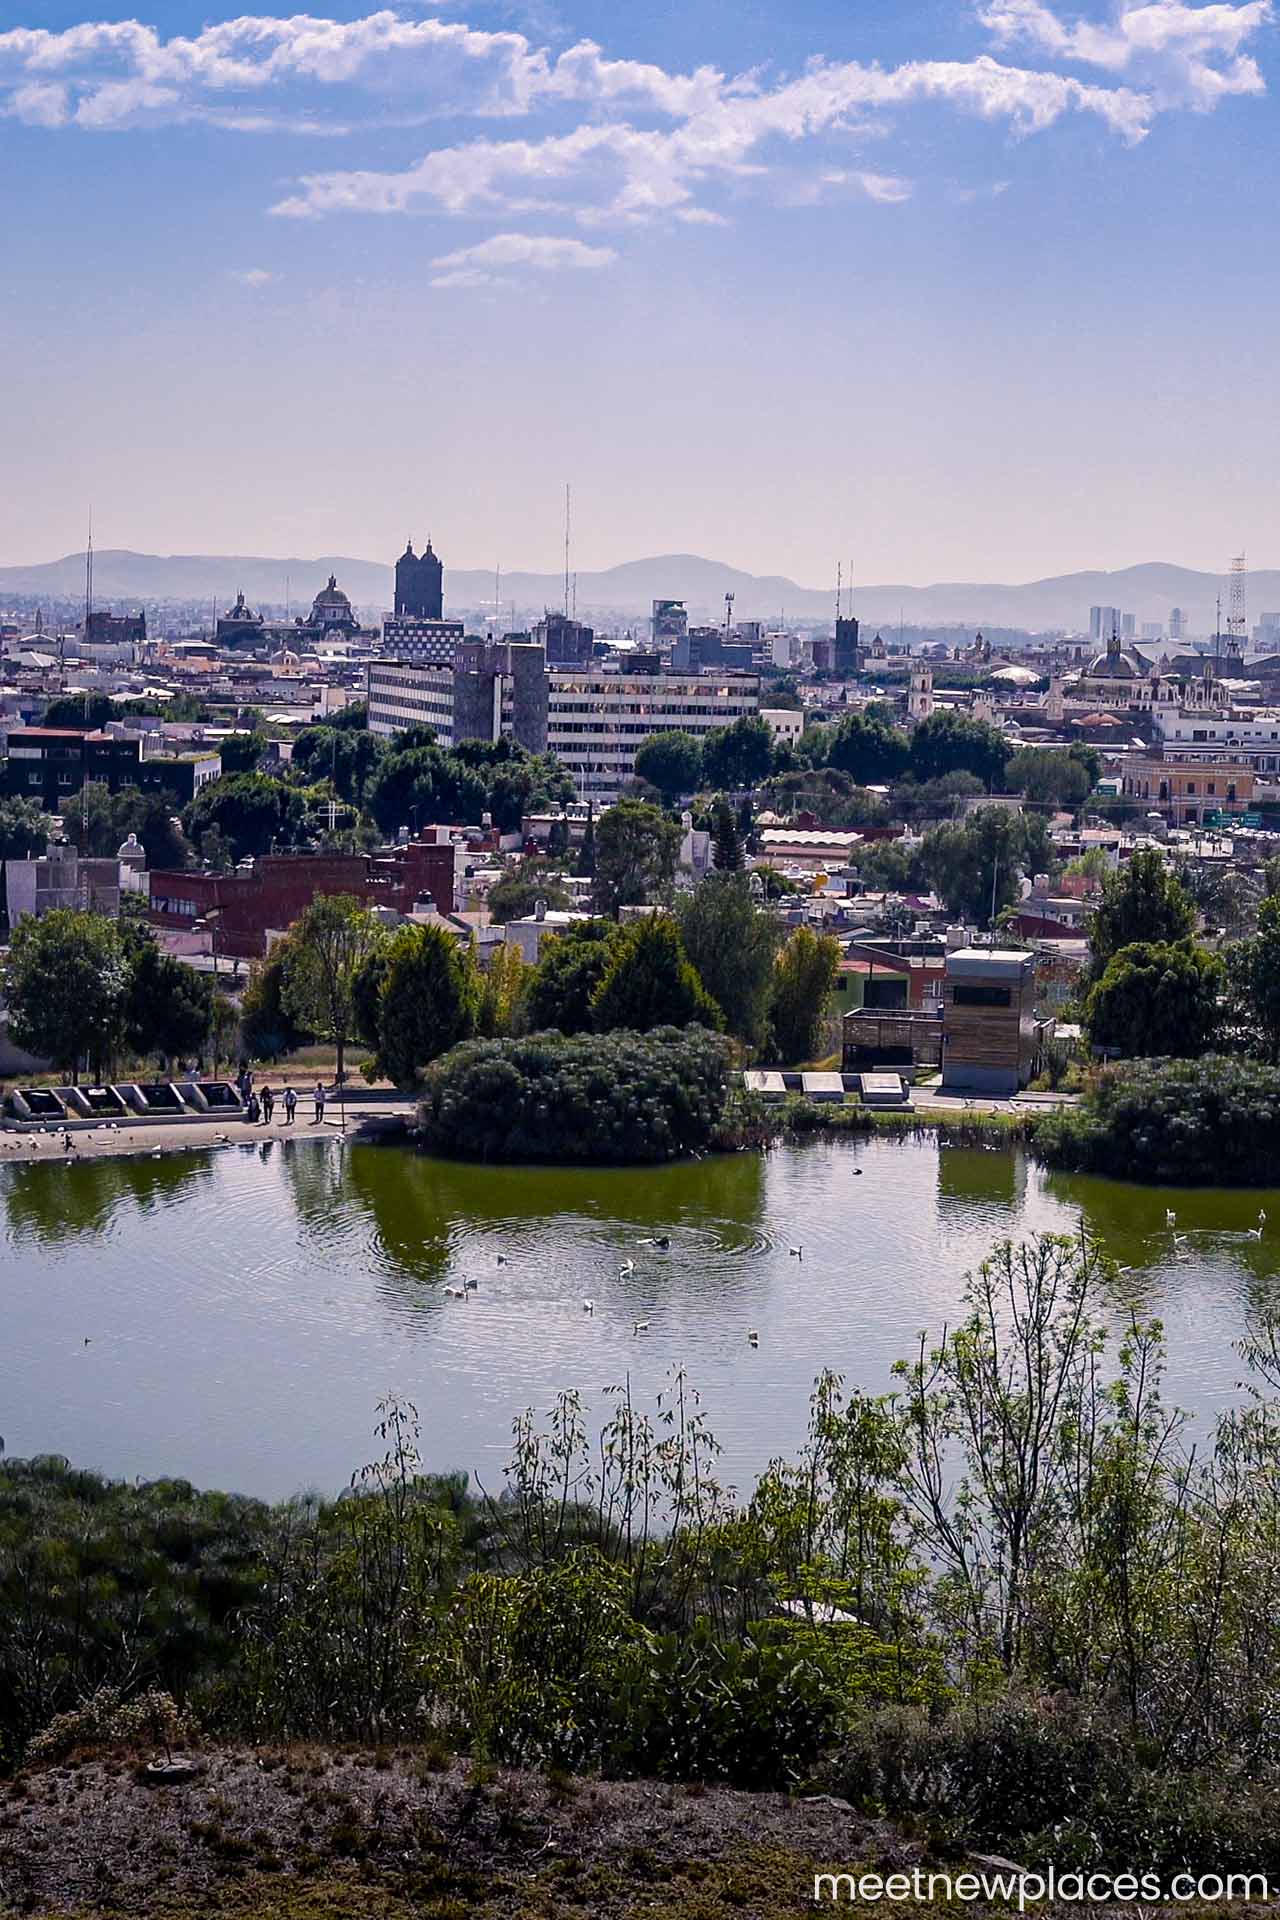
(342, 755)
(777, 885)
(250, 812)
(502, 986)
(24, 829)
(867, 749)
(932, 800)
(1157, 998)
(328, 946)
(803, 977)
(650, 982)
(268, 1026)
(518, 892)
(241, 752)
(112, 817)
(726, 847)
(956, 743)
(168, 1007)
(671, 762)
(975, 865)
(738, 756)
(1142, 904)
(732, 945)
(635, 856)
(1253, 971)
(570, 968)
(82, 713)
(1057, 777)
(65, 982)
(427, 1000)
(224, 1030)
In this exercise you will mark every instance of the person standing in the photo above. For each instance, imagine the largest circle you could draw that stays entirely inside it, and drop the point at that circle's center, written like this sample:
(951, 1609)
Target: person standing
(268, 1104)
(319, 1100)
(290, 1105)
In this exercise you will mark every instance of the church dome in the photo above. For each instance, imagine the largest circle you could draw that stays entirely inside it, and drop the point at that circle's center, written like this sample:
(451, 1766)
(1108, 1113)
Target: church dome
(1121, 663)
(331, 599)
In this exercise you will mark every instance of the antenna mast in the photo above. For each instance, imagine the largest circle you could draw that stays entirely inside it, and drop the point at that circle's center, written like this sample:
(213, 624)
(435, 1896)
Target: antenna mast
(1237, 622)
(566, 550)
(839, 589)
(84, 749)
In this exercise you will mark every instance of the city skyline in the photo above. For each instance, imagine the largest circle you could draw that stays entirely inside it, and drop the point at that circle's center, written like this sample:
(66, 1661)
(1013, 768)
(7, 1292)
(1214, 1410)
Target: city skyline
(954, 291)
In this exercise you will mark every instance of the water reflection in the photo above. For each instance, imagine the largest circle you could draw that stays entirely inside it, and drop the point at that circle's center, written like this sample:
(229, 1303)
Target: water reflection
(52, 1202)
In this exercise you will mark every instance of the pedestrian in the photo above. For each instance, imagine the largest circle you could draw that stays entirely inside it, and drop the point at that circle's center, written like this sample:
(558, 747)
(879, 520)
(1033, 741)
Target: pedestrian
(319, 1100)
(268, 1104)
(252, 1109)
(290, 1105)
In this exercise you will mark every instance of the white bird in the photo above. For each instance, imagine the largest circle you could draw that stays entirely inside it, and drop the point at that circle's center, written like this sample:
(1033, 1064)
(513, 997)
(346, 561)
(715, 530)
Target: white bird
(588, 1306)
(640, 1326)
(471, 1286)
(628, 1266)
(1170, 1217)
(455, 1293)
(1256, 1232)
(1179, 1242)
(753, 1337)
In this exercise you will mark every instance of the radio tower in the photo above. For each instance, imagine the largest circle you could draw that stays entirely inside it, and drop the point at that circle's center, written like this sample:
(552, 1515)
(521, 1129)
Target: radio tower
(839, 589)
(84, 750)
(1237, 622)
(566, 550)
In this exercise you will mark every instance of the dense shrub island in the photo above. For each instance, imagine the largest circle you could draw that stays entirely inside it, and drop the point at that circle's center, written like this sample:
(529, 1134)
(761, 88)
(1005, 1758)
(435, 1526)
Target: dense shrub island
(614, 1098)
(1209, 1122)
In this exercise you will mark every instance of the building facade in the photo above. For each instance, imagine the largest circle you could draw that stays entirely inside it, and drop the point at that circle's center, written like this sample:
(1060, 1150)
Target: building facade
(48, 764)
(405, 694)
(597, 720)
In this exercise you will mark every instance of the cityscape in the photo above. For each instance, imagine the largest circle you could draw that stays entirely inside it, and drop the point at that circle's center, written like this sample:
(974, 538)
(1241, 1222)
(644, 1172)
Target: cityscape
(639, 961)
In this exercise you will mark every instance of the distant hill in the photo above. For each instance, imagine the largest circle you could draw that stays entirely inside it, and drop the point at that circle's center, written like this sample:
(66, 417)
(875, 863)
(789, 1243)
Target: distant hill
(1147, 591)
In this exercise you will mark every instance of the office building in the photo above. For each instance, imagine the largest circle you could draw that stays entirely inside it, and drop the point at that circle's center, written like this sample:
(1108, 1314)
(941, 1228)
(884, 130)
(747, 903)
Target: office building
(596, 720)
(47, 764)
(495, 690)
(566, 642)
(410, 693)
(846, 656)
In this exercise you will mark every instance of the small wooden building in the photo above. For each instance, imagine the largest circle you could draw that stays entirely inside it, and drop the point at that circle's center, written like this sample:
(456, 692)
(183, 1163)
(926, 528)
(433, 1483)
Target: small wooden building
(989, 1029)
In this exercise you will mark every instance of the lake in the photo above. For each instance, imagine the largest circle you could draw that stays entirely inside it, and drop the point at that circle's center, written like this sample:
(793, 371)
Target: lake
(243, 1315)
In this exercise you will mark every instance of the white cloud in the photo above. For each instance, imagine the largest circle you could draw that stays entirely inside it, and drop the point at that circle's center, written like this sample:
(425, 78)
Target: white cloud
(1185, 56)
(254, 276)
(546, 252)
(41, 103)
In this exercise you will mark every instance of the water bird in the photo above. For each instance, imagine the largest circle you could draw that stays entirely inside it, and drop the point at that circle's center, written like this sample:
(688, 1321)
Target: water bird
(797, 1252)
(1170, 1217)
(1179, 1242)
(628, 1266)
(753, 1338)
(857, 1173)
(1256, 1232)
(455, 1293)
(471, 1286)
(588, 1306)
(86, 1339)
(502, 1259)
(640, 1326)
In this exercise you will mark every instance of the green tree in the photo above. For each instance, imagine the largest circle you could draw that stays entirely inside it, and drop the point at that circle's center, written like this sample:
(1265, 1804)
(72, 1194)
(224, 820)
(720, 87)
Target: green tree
(112, 817)
(344, 756)
(1142, 904)
(635, 856)
(980, 861)
(570, 967)
(224, 1030)
(650, 981)
(803, 978)
(726, 847)
(956, 743)
(733, 946)
(1253, 972)
(66, 982)
(671, 762)
(168, 1007)
(867, 749)
(241, 752)
(416, 785)
(268, 1025)
(1157, 999)
(328, 945)
(1054, 776)
(427, 1001)
(916, 801)
(501, 996)
(250, 812)
(82, 713)
(519, 891)
(24, 829)
(741, 755)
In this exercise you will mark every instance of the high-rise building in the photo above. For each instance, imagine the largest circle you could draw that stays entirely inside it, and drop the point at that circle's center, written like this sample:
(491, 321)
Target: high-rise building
(1177, 624)
(566, 642)
(597, 719)
(420, 584)
(669, 622)
(846, 657)
(1103, 622)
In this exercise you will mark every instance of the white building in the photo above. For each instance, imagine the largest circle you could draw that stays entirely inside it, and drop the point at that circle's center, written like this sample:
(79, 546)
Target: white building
(596, 720)
(401, 695)
(1252, 738)
(784, 723)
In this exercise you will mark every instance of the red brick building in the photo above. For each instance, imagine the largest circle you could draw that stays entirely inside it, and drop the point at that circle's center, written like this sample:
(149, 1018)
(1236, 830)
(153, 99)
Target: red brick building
(239, 909)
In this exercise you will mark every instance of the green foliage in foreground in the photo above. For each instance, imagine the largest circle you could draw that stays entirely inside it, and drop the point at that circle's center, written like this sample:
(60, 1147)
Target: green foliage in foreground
(1213, 1122)
(616, 1098)
(1055, 1621)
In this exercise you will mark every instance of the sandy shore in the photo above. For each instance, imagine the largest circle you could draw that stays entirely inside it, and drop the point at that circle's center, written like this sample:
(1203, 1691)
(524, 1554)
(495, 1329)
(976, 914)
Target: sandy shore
(189, 1136)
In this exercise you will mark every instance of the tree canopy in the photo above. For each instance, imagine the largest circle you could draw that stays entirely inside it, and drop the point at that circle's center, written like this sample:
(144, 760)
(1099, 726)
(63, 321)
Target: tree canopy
(671, 762)
(66, 982)
(981, 860)
(424, 1000)
(803, 977)
(250, 813)
(1157, 999)
(738, 756)
(950, 742)
(570, 967)
(868, 749)
(328, 946)
(112, 817)
(649, 981)
(732, 945)
(1142, 904)
(635, 856)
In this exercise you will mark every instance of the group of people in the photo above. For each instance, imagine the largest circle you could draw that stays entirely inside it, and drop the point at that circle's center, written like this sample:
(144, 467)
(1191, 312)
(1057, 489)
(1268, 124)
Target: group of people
(262, 1107)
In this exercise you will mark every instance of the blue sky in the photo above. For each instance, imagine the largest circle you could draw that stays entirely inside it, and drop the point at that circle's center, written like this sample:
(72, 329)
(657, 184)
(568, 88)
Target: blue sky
(965, 289)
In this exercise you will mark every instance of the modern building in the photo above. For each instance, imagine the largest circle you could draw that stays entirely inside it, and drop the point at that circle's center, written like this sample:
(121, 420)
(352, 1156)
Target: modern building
(990, 1037)
(566, 642)
(48, 764)
(495, 690)
(668, 623)
(1103, 623)
(405, 694)
(419, 584)
(596, 719)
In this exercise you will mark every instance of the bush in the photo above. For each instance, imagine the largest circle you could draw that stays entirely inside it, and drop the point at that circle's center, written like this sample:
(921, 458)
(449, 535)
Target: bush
(1210, 1122)
(615, 1098)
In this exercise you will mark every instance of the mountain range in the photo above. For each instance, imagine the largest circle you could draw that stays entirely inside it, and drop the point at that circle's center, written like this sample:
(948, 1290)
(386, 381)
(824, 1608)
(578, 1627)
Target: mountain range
(1148, 591)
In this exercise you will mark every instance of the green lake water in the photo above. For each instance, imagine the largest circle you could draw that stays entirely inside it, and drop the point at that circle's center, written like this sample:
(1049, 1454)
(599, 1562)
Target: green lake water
(245, 1314)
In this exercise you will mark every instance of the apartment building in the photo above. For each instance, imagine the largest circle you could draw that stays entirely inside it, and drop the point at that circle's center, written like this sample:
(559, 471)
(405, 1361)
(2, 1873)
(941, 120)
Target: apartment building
(404, 695)
(596, 720)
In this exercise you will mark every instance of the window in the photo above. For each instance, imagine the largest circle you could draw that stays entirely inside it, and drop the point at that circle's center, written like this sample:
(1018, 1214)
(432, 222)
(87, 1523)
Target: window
(967, 993)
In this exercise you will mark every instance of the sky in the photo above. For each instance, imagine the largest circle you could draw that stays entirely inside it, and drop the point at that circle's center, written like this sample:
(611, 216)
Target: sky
(935, 289)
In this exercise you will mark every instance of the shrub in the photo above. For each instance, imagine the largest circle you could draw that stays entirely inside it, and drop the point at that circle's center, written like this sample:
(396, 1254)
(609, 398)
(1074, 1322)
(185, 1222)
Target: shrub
(614, 1098)
(1209, 1122)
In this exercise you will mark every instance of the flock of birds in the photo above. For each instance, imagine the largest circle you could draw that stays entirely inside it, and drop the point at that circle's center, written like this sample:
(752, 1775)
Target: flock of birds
(1180, 1239)
(662, 1241)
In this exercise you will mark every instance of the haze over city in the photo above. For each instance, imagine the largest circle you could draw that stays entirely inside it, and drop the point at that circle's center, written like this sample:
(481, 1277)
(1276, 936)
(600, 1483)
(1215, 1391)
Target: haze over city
(951, 291)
